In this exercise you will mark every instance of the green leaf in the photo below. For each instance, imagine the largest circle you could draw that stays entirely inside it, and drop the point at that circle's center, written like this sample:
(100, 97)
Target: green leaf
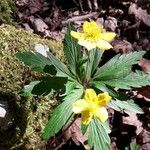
(48, 83)
(27, 90)
(50, 69)
(133, 80)
(71, 49)
(81, 67)
(133, 146)
(102, 87)
(74, 94)
(84, 128)
(118, 64)
(61, 68)
(98, 137)
(128, 105)
(62, 114)
(93, 61)
(69, 87)
(34, 59)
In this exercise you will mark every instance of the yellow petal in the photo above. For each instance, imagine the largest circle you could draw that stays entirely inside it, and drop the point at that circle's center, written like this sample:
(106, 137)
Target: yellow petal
(103, 45)
(108, 36)
(87, 26)
(91, 27)
(90, 95)
(76, 35)
(86, 117)
(79, 106)
(101, 114)
(87, 44)
(103, 99)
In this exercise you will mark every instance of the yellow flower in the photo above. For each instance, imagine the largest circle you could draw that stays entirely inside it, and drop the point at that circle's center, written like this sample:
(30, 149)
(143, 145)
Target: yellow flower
(94, 36)
(92, 106)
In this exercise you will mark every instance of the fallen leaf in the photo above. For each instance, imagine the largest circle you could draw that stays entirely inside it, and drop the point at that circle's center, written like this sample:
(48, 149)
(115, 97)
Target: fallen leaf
(39, 25)
(140, 14)
(74, 132)
(144, 92)
(144, 139)
(122, 46)
(111, 23)
(145, 65)
(132, 119)
(35, 5)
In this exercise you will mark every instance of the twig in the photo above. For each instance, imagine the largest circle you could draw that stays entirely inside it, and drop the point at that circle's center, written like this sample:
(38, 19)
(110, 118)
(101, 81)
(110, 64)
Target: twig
(95, 5)
(80, 4)
(78, 18)
(136, 25)
(76, 3)
(89, 5)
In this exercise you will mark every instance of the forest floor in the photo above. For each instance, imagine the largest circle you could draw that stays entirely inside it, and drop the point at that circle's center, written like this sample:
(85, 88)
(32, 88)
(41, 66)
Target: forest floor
(130, 19)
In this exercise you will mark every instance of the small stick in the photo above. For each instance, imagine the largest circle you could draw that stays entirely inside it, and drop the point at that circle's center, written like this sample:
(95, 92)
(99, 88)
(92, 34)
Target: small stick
(78, 18)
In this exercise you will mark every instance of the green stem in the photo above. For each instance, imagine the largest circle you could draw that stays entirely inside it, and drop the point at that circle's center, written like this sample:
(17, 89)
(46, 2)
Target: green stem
(85, 82)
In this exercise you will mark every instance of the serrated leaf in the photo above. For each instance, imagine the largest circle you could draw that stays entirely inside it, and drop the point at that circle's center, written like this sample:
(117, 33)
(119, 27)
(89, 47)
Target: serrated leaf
(69, 87)
(84, 128)
(81, 67)
(61, 68)
(50, 69)
(48, 83)
(62, 114)
(133, 80)
(104, 88)
(27, 90)
(33, 59)
(98, 138)
(71, 49)
(118, 64)
(74, 94)
(93, 61)
(128, 105)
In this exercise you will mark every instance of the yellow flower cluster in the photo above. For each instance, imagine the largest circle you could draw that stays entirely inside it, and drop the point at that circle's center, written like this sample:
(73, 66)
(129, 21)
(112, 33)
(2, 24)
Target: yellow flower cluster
(94, 36)
(92, 105)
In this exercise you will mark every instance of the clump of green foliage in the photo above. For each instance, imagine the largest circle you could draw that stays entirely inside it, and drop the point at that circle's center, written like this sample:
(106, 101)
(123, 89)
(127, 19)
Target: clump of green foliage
(29, 119)
(7, 11)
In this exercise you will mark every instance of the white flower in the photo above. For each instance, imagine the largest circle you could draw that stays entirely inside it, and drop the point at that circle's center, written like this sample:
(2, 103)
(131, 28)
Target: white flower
(42, 49)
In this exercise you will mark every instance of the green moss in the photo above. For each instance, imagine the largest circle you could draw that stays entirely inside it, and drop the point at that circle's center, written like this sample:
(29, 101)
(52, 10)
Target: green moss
(7, 11)
(30, 115)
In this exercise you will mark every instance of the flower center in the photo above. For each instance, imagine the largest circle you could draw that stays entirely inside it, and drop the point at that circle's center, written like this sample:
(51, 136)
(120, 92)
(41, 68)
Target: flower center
(92, 35)
(93, 107)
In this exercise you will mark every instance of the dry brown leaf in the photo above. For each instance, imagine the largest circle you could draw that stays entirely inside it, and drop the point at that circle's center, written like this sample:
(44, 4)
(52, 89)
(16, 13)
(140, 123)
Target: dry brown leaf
(113, 143)
(145, 65)
(111, 23)
(144, 139)
(35, 5)
(74, 132)
(133, 120)
(39, 25)
(144, 92)
(140, 14)
(122, 46)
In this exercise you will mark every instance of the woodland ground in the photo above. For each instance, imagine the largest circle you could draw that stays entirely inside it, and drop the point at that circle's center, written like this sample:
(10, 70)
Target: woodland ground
(130, 19)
